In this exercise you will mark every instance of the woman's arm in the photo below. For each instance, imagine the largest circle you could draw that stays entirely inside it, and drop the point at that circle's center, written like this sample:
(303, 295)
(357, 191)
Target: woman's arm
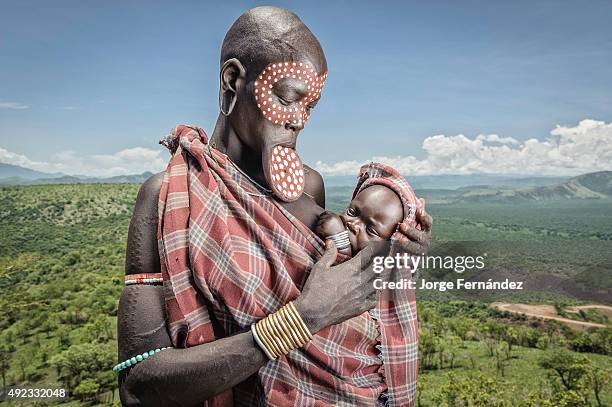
(181, 377)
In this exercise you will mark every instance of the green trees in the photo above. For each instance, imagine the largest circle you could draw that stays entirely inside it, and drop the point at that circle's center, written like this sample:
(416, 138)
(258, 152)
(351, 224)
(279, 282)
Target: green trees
(461, 327)
(597, 379)
(599, 341)
(474, 391)
(87, 389)
(569, 368)
(61, 268)
(61, 273)
(84, 364)
(464, 346)
(575, 378)
(4, 365)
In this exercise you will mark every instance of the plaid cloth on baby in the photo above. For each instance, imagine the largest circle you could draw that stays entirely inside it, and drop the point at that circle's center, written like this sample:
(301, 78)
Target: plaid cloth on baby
(383, 174)
(396, 307)
(230, 255)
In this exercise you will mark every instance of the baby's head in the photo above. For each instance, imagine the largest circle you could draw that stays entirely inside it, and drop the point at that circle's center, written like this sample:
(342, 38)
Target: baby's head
(381, 201)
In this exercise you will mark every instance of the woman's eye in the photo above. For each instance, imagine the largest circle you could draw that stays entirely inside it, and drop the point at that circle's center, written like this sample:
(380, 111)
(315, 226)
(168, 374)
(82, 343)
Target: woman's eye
(351, 212)
(283, 101)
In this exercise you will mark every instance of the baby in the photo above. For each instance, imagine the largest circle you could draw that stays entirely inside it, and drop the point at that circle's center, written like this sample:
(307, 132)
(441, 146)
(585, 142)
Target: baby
(381, 201)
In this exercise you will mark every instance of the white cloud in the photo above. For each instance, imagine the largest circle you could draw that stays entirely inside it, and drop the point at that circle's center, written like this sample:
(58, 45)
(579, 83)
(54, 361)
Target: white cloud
(494, 138)
(9, 157)
(13, 105)
(568, 151)
(129, 161)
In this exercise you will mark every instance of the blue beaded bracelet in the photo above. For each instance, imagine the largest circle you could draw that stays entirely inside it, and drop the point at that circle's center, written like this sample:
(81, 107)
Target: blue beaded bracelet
(138, 358)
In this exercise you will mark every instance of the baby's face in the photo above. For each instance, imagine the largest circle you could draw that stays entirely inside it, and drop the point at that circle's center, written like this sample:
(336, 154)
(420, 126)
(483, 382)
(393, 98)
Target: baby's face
(373, 215)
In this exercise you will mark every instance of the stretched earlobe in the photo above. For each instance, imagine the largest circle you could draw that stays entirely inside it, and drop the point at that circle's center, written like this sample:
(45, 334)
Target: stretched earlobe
(226, 107)
(231, 74)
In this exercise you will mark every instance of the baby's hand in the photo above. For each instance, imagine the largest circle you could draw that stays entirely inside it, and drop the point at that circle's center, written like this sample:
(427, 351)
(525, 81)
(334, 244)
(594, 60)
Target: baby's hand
(328, 224)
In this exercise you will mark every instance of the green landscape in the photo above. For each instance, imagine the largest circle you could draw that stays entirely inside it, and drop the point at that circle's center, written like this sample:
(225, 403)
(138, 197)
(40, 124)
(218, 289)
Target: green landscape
(62, 251)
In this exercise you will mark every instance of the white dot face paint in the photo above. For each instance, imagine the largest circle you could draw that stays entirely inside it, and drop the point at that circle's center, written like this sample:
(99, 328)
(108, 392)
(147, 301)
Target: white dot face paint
(281, 70)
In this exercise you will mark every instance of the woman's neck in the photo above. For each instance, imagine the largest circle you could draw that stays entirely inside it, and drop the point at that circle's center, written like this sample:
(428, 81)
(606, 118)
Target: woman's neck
(225, 139)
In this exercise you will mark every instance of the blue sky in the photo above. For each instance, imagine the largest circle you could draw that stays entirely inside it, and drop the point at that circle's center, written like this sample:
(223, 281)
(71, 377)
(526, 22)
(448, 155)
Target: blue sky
(97, 83)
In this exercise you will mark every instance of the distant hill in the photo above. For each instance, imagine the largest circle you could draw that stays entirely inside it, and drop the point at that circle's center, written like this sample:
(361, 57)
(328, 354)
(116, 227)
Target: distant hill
(600, 182)
(17, 172)
(596, 185)
(68, 179)
(16, 175)
(458, 181)
(436, 188)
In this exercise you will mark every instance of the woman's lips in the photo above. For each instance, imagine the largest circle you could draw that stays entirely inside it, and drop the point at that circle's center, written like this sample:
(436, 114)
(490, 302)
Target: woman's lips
(284, 172)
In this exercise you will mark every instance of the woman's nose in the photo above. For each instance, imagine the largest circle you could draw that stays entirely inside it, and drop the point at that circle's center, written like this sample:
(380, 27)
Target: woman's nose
(296, 124)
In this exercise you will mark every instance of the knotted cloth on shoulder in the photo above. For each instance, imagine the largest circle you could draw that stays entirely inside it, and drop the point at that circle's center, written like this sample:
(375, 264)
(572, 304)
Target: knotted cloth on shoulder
(231, 255)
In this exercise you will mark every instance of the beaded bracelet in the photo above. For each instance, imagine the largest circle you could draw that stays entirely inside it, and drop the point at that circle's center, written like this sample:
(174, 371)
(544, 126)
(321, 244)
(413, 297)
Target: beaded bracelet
(152, 281)
(138, 358)
(144, 278)
(341, 240)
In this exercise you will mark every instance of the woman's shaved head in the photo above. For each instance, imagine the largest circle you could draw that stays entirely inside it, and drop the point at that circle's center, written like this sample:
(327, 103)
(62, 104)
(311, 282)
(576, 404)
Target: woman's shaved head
(264, 35)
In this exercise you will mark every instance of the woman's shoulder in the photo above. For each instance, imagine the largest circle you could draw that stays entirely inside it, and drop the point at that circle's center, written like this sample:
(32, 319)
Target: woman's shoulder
(141, 255)
(149, 190)
(315, 186)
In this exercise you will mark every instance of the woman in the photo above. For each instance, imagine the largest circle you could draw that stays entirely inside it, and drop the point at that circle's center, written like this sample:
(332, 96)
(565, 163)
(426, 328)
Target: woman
(219, 366)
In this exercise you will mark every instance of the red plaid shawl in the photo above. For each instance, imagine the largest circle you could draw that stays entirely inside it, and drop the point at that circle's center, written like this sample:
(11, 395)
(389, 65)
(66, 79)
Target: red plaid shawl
(231, 255)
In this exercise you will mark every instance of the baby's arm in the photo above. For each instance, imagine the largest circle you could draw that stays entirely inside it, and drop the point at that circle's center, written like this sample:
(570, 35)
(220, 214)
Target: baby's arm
(330, 224)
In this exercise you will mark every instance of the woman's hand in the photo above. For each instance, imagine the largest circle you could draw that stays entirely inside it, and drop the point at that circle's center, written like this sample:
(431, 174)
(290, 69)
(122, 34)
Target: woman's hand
(415, 241)
(333, 294)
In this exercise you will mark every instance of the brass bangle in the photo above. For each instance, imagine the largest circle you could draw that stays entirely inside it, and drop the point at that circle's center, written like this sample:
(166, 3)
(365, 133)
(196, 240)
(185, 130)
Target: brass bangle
(272, 335)
(278, 318)
(276, 331)
(283, 330)
(296, 324)
(265, 337)
(301, 323)
(260, 343)
(292, 328)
